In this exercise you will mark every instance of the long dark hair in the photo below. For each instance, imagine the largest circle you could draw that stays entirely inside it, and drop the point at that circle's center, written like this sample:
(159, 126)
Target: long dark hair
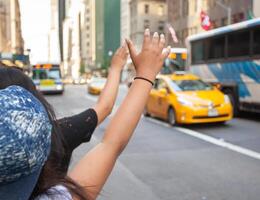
(51, 174)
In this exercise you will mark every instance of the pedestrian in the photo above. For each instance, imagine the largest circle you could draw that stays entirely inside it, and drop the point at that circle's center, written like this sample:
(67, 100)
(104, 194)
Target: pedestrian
(78, 128)
(27, 121)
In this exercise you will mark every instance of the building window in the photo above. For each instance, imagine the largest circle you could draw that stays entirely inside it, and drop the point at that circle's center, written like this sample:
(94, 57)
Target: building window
(146, 9)
(185, 8)
(87, 27)
(161, 10)
(146, 24)
(224, 21)
(161, 27)
(195, 6)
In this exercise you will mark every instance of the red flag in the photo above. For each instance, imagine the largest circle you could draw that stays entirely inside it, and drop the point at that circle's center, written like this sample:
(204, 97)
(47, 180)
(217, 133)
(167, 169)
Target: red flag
(205, 21)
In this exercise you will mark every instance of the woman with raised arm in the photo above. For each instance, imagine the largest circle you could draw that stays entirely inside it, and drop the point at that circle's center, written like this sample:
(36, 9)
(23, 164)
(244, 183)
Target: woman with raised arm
(96, 166)
(30, 139)
(78, 128)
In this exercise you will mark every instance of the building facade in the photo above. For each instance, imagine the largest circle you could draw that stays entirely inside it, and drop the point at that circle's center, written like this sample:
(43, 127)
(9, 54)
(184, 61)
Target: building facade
(87, 35)
(125, 20)
(146, 14)
(256, 8)
(54, 43)
(79, 47)
(184, 15)
(107, 31)
(11, 40)
(62, 15)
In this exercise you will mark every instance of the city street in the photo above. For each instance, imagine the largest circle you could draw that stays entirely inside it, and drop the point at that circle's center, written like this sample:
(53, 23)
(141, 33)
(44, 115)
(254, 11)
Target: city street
(198, 162)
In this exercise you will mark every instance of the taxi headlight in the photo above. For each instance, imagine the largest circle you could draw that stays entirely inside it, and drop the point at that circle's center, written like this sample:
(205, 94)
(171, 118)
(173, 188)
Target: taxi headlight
(184, 102)
(226, 99)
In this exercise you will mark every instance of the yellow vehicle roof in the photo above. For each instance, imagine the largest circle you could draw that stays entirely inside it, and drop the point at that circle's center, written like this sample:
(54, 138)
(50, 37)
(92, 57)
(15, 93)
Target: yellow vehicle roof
(181, 76)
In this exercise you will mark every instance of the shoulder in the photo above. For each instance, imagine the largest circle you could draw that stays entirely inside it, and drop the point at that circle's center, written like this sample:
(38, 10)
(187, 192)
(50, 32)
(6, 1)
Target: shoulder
(58, 192)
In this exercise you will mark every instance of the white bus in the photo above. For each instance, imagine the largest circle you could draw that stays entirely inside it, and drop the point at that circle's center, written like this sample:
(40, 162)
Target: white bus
(230, 56)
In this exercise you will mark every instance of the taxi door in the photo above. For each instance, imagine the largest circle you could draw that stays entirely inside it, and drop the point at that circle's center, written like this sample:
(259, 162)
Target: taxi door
(162, 99)
(152, 100)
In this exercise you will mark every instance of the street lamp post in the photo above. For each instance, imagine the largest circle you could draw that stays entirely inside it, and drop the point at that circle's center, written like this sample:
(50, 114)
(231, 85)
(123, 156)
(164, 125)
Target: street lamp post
(228, 9)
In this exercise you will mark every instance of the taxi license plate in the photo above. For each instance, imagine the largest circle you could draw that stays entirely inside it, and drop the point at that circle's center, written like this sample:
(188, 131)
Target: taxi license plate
(212, 113)
(47, 83)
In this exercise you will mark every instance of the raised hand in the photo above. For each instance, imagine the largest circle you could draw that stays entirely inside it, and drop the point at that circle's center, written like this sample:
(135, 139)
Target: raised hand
(149, 61)
(120, 57)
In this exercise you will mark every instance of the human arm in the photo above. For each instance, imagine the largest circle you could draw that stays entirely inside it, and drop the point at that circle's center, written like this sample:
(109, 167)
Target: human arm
(94, 169)
(107, 98)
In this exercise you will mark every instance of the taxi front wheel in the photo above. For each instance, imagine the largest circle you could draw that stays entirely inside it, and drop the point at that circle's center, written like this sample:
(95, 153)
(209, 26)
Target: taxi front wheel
(172, 117)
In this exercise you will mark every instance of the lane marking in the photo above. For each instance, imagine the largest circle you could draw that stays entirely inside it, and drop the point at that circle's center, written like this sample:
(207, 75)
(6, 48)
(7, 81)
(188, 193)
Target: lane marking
(219, 142)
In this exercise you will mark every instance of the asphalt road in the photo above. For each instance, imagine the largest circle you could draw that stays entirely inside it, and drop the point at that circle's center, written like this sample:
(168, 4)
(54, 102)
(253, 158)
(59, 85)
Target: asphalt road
(199, 162)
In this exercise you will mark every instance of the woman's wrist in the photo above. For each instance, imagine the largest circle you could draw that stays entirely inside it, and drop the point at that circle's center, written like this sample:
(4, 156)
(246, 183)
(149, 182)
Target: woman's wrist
(144, 79)
(150, 77)
(115, 69)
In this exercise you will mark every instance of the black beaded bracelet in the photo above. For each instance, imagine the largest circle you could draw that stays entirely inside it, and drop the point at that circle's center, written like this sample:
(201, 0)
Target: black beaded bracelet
(142, 78)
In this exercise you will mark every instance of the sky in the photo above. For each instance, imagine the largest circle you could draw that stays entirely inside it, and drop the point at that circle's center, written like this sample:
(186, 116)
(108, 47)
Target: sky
(35, 17)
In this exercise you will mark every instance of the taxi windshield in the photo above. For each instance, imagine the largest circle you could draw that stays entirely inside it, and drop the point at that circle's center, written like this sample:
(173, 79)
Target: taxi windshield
(190, 85)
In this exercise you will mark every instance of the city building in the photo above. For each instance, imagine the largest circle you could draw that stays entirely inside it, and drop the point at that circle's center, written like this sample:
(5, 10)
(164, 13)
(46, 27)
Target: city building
(78, 34)
(62, 15)
(146, 14)
(107, 31)
(184, 15)
(87, 35)
(256, 8)
(11, 40)
(125, 20)
(54, 43)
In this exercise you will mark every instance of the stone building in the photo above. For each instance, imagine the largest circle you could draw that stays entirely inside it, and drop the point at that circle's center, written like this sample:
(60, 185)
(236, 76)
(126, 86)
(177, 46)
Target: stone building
(146, 14)
(184, 15)
(87, 34)
(11, 40)
(125, 20)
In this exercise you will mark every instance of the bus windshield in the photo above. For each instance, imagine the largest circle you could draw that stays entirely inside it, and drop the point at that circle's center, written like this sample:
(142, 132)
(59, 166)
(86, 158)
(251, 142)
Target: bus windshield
(175, 62)
(42, 74)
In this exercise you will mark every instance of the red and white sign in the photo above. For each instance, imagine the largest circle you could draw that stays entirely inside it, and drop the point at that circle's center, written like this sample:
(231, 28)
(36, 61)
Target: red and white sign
(205, 21)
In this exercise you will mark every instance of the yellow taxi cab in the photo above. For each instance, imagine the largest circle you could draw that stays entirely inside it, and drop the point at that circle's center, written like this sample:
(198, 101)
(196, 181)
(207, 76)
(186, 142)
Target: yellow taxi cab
(183, 98)
(96, 85)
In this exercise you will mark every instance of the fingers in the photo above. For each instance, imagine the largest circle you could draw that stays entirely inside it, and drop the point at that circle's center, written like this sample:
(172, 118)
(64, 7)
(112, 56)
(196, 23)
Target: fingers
(147, 39)
(162, 42)
(131, 47)
(155, 40)
(166, 52)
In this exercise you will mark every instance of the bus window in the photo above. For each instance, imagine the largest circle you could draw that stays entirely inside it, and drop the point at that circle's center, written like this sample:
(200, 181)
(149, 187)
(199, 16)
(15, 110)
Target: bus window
(239, 44)
(198, 52)
(216, 47)
(256, 43)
